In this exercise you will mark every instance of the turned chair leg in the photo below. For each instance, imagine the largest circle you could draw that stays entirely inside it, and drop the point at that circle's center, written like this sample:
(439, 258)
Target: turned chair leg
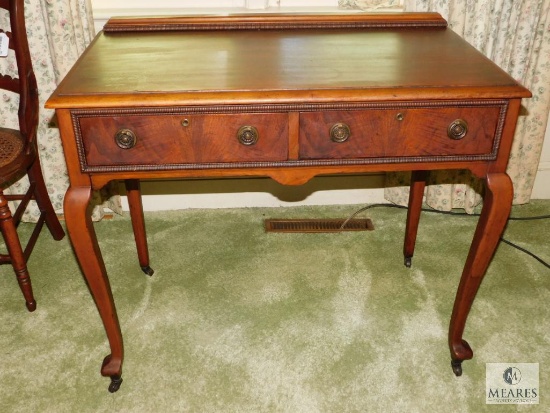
(16, 253)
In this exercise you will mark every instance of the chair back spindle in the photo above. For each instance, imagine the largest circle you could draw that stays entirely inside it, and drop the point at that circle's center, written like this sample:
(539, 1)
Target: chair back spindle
(25, 84)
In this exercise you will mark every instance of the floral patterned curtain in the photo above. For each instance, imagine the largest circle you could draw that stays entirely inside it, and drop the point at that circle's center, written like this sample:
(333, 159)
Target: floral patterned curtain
(515, 34)
(58, 32)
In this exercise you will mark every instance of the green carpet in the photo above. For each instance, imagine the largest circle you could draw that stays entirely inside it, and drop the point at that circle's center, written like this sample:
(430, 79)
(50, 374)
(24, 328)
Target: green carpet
(237, 320)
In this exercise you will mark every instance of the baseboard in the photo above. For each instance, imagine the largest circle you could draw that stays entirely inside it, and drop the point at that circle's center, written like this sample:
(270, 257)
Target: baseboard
(107, 215)
(259, 192)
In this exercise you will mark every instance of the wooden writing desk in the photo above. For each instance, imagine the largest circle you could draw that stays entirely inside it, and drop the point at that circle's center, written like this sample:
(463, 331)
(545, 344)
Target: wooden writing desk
(288, 97)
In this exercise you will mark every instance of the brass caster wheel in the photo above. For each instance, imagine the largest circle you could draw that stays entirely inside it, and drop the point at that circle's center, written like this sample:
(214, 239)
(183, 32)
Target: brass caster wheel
(116, 381)
(147, 270)
(408, 262)
(457, 367)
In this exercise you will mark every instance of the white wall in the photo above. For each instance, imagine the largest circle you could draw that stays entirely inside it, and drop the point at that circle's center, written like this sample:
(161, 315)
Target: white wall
(103, 9)
(541, 190)
(261, 192)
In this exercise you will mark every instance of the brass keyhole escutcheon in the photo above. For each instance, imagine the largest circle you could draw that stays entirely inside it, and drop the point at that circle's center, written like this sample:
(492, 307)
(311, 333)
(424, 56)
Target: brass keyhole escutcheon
(400, 117)
(125, 139)
(340, 132)
(457, 129)
(248, 135)
(185, 123)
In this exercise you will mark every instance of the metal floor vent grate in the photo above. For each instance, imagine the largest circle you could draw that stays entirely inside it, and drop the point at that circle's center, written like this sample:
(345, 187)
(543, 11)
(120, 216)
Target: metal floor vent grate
(317, 225)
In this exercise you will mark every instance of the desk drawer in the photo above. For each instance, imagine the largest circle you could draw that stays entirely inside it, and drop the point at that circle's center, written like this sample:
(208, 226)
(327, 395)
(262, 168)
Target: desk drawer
(398, 132)
(184, 139)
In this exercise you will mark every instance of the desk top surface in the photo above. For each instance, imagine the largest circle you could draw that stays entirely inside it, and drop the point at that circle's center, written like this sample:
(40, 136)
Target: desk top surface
(144, 64)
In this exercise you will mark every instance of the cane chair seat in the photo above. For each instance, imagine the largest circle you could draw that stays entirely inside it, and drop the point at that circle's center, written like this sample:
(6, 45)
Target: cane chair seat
(15, 156)
(11, 146)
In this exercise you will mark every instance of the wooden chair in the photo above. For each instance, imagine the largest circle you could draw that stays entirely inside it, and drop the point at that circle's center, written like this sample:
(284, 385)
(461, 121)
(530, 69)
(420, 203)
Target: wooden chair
(19, 157)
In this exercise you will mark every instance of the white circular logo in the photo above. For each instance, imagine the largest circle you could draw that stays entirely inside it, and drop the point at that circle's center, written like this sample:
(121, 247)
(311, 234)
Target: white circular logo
(512, 375)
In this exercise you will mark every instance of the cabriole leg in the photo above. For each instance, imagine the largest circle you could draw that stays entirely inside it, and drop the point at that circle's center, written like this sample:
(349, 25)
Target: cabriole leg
(494, 215)
(84, 241)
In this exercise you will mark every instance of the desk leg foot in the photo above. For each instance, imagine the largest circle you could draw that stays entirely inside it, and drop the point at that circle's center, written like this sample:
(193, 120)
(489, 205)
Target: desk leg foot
(408, 262)
(147, 270)
(112, 367)
(116, 381)
(460, 352)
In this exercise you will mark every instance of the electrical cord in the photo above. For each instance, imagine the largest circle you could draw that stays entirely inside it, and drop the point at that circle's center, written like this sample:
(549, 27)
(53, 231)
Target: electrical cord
(547, 265)
(526, 252)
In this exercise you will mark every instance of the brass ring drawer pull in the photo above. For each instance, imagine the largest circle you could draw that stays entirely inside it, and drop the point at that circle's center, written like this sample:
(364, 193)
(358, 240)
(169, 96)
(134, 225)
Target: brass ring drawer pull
(248, 135)
(125, 139)
(457, 129)
(340, 132)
